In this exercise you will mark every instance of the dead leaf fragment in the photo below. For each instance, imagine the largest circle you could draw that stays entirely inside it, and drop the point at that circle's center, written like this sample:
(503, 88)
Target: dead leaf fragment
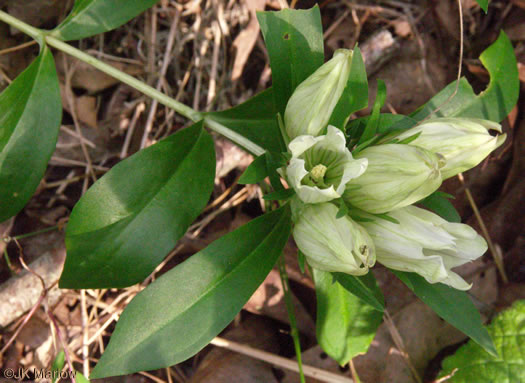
(245, 41)
(91, 79)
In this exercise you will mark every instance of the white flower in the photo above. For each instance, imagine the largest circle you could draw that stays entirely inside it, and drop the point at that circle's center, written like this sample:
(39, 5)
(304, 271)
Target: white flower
(313, 101)
(426, 244)
(333, 244)
(397, 175)
(464, 142)
(321, 167)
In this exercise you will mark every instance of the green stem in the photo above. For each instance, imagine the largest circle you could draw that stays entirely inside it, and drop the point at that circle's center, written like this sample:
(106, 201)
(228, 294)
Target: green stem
(32, 234)
(291, 315)
(149, 91)
(8, 261)
(125, 78)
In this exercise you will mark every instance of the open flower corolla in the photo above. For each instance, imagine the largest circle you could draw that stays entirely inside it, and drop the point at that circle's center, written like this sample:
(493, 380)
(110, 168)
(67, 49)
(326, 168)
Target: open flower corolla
(321, 166)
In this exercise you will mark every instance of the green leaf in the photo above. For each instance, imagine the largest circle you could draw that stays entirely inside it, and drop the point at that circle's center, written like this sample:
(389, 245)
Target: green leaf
(475, 365)
(255, 119)
(364, 287)
(355, 94)
(80, 378)
(441, 206)
(294, 39)
(452, 305)
(484, 4)
(57, 365)
(373, 123)
(30, 115)
(128, 221)
(255, 172)
(183, 310)
(345, 325)
(91, 17)
(496, 102)
(279, 195)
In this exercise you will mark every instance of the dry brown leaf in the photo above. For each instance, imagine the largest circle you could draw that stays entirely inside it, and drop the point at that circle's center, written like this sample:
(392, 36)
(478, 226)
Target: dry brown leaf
(245, 41)
(516, 32)
(268, 300)
(521, 72)
(85, 107)
(229, 156)
(91, 79)
(519, 3)
(402, 28)
(222, 366)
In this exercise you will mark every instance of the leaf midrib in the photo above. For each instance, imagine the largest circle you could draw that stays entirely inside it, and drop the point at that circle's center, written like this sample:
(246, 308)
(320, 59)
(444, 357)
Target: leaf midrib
(207, 291)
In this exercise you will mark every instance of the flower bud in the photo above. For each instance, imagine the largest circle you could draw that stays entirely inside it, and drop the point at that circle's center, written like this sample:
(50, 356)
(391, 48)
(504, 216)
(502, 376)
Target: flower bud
(321, 167)
(313, 101)
(426, 244)
(464, 142)
(397, 175)
(333, 244)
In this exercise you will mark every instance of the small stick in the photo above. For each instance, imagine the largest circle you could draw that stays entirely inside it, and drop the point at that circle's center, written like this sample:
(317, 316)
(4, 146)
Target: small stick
(312, 372)
(495, 253)
(18, 47)
(163, 70)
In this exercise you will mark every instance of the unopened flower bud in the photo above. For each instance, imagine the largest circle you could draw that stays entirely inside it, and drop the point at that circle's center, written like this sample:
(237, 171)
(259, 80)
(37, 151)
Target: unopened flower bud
(333, 244)
(313, 101)
(464, 142)
(321, 166)
(397, 175)
(425, 243)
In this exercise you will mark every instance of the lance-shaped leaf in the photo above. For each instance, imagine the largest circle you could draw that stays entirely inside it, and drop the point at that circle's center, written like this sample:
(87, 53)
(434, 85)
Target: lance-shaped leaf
(128, 221)
(255, 119)
(30, 115)
(364, 287)
(345, 324)
(494, 103)
(91, 17)
(452, 305)
(294, 39)
(182, 311)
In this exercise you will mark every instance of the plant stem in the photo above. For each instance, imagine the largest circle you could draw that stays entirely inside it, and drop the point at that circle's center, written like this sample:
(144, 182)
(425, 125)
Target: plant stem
(153, 93)
(125, 78)
(291, 315)
(33, 233)
(184, 110)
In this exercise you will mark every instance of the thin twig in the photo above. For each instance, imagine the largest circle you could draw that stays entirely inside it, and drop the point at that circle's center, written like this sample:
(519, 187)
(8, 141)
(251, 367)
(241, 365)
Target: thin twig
(163, 70)
(398, 341)
(279, 361)
(72, 107)
(495, 253)
(18, 47)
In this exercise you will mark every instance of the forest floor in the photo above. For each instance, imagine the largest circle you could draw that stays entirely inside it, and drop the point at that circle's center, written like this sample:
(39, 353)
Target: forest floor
(210, 55)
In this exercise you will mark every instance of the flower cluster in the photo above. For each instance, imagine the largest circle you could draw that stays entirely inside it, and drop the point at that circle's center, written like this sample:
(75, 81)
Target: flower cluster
(387, 178)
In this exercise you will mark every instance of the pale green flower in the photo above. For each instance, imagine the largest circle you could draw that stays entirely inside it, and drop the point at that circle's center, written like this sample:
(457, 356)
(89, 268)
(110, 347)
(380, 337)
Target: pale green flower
(313, 101)
(333, 244)
(426, 244)
(397, 175)
(321, 167)
(464, 142)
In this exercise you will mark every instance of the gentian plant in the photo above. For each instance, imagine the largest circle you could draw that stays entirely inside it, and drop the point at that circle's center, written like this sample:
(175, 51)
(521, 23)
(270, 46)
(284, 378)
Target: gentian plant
(350, 190)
